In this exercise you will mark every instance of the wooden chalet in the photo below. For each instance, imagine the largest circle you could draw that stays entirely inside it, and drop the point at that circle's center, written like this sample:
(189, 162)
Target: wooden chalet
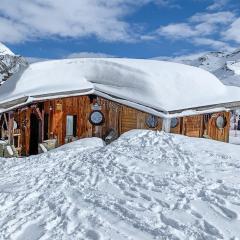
(43, 107)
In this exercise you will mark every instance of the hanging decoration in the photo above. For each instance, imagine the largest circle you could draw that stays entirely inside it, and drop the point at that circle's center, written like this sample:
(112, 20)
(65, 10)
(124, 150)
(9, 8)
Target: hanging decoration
(96, 117)
(221, 122)
(174, 122)
(152, 121)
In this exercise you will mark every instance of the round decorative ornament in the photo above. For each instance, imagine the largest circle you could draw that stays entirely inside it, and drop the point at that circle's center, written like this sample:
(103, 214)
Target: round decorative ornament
(152, 121)
(96, 117)
(174, 122)
(221, 122)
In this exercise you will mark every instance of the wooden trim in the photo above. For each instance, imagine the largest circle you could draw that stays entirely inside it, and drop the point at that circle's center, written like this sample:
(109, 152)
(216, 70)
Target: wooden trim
(6, 120)
(10, 127)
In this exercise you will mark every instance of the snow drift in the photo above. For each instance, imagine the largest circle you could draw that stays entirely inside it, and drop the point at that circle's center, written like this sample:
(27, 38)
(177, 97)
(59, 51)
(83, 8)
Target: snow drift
(145, 185)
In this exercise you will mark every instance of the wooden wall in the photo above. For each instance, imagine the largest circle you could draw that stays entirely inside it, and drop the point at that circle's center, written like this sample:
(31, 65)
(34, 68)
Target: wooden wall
(58, 111)
(192, 126)
(134, 119)
(214, 132)
(118, 117)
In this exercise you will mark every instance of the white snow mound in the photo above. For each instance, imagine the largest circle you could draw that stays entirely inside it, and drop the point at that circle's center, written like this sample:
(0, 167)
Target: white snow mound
(145, 185)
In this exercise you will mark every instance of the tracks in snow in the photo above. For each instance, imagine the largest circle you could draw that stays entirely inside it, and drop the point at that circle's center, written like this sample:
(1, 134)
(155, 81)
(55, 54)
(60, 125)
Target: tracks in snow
(148, 186)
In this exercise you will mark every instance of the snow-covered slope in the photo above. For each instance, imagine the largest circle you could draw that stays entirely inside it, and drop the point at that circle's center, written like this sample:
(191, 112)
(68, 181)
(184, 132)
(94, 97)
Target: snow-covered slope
(9, 63)
(5, 50)
(145, 185)
(226, 66)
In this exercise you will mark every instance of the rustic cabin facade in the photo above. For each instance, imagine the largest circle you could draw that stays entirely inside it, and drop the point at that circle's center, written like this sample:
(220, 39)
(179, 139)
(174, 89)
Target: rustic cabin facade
(64, 120)
(41, 116)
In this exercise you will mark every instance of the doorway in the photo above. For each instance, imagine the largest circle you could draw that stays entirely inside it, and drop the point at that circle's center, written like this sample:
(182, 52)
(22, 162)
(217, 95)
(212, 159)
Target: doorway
(34, 134)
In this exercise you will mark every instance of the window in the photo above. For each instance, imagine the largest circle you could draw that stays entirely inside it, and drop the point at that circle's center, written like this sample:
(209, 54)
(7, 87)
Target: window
(221, 122)
(71, 125)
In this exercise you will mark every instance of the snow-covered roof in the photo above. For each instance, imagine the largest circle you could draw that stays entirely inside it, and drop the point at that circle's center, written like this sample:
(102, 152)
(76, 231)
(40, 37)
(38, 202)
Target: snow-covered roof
(147, 84)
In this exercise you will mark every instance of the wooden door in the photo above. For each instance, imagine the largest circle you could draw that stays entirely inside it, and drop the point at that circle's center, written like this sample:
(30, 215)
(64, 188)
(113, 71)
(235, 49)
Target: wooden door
(34, 134)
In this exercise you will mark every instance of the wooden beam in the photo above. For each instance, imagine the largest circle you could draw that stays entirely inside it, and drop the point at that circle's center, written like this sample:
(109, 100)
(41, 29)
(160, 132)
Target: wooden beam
(39, 114)
(42, 126)
(5, 119)
(10, 127)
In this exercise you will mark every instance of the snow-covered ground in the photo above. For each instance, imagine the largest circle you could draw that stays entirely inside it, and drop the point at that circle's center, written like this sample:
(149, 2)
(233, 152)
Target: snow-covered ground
(145, 185)
(234, 137)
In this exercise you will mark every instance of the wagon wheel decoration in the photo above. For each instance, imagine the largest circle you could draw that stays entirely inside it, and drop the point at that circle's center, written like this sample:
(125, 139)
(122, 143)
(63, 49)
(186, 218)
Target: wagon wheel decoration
(96, 118)
(152, 121)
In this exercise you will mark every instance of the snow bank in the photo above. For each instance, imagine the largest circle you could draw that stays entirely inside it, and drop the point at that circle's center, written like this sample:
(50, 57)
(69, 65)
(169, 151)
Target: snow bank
(234, 137)
(163, 86)
(82, 144)
(146, 185)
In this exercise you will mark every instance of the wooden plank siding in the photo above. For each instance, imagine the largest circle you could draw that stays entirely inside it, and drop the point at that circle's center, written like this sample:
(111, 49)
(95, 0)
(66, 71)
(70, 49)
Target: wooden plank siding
(135, 119)
(192, 126)
(118, 117)
(214, 132)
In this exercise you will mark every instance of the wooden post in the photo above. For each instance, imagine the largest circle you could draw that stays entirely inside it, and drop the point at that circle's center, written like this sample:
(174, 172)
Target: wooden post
(5, 119)
(42, 125)
(10, 127)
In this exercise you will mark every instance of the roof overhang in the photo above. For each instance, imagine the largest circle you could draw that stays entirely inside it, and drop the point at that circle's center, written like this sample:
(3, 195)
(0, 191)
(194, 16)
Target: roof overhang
(24, 101)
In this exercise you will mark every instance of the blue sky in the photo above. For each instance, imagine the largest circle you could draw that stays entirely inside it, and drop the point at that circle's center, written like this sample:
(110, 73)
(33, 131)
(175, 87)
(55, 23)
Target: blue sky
(124, 28)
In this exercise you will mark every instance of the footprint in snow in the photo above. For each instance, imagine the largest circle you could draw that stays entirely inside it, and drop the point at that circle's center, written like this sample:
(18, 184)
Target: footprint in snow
(30, 231)
(92, 235)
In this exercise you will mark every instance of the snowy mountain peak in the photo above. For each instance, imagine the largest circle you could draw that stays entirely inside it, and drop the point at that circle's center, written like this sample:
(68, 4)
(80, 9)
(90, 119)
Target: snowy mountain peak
(9, 63)
(234, 55)
(226, 66)
(5, 50)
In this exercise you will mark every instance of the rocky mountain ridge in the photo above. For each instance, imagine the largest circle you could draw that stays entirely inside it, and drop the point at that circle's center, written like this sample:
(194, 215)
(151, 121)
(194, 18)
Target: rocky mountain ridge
(9, 63)
(226, 66)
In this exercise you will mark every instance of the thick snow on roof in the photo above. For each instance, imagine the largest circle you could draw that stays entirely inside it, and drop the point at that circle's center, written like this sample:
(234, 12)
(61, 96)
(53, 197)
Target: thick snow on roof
(159, 85)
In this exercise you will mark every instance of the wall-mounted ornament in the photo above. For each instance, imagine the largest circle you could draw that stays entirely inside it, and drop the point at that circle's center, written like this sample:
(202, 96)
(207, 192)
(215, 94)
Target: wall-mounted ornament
(174, 122)
(152, 121)
(58, 107)
(96, 117)
(96, 107)
(221, 122)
